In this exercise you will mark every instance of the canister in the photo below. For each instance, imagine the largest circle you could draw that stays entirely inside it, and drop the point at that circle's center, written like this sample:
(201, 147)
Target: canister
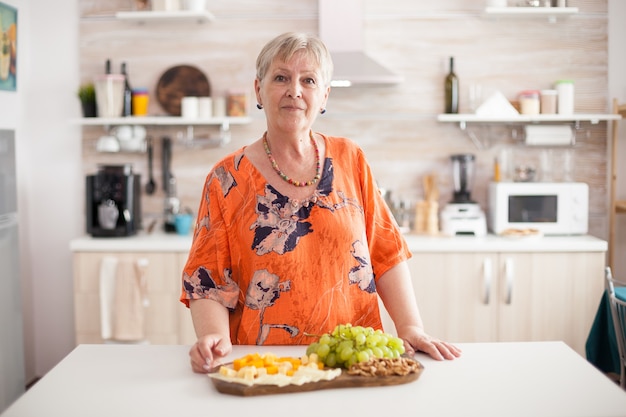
(548, 101)
(565, 90)
(140, 101)
(529, 102)
(236, 104)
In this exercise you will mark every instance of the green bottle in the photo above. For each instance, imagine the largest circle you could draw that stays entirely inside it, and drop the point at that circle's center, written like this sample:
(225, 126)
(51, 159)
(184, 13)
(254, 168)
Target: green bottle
(452, 90)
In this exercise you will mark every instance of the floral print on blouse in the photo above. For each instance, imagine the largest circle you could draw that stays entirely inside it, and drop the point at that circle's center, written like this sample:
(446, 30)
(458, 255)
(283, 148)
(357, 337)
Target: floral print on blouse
(289, 269)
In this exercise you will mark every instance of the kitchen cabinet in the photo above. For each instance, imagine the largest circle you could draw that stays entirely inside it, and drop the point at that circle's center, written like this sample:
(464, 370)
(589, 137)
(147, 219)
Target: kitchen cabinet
(505, 297)
(167, 320)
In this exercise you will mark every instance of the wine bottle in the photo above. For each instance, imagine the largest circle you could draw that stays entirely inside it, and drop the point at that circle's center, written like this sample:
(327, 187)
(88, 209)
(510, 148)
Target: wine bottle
(128, 94)
(452, 90)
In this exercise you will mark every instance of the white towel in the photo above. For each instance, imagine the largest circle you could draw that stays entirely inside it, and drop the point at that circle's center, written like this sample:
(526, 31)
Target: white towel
(551, 135)
(108, 272)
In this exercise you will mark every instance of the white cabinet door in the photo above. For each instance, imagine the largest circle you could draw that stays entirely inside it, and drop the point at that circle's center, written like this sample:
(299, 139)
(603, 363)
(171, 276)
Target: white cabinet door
(163, 284)
(486, 297)
(456, 295)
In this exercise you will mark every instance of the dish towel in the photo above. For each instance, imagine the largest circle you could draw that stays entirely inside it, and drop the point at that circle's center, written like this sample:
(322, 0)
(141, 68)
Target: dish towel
(108, 270)
(129, 316)
(123, 299)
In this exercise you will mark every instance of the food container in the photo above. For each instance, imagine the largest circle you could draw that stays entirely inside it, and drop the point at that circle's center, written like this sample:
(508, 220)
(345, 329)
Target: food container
(548, 101)
(565, 89)
(236, 104)
(109, 94)
(140, 102)
(529, 102)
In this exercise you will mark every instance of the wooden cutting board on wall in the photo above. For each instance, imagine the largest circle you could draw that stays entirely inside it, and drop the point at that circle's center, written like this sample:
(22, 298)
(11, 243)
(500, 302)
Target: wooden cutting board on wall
(178, 82)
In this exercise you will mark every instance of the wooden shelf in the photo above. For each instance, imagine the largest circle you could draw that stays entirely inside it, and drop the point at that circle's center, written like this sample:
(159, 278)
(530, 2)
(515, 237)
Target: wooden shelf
(162, 16)
(552, 13)
(620, 206)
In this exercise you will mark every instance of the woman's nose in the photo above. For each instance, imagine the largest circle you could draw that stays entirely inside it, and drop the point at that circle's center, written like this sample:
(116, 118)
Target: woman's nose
(294, 90)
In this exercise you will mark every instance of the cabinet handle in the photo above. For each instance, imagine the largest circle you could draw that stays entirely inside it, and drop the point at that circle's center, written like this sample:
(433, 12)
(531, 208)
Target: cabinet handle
(508, 275)
(487, 276)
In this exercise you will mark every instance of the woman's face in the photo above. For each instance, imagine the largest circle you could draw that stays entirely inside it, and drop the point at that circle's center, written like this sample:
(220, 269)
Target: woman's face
(292, 93)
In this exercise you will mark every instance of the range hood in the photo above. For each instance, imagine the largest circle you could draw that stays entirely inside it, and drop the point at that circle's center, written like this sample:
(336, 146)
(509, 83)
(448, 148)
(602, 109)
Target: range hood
(341, 29)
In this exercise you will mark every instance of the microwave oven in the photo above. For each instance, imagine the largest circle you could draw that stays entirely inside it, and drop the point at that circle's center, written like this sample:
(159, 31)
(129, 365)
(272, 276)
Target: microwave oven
(552, 208)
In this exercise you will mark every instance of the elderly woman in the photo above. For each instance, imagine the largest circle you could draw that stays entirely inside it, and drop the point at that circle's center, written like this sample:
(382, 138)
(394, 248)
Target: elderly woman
(293, 236)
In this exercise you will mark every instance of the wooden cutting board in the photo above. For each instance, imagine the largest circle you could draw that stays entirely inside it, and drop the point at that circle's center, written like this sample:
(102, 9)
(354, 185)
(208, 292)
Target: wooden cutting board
(342, 381)
(178, 82)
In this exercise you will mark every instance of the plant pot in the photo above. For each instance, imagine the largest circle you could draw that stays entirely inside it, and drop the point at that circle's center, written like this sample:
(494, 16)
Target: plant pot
(89, 108)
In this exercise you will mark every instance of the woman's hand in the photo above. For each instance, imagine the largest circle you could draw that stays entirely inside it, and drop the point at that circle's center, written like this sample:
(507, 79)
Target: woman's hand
(206, 353)
(415, 339)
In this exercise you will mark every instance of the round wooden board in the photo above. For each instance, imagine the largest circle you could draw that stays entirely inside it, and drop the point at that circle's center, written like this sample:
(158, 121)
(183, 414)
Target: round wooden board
(178, 82)
(342, 381)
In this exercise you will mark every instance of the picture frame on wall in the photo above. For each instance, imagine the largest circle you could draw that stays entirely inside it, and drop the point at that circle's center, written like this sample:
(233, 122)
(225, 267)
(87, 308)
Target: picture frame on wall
(8, 47)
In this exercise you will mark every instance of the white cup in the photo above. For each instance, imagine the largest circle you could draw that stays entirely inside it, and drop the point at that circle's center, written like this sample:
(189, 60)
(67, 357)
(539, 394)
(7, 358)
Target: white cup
(189, 107)
(205, 107)
(195, 5)
(219, 107)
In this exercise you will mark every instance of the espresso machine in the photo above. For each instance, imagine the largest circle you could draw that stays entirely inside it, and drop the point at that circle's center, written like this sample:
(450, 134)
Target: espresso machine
(113, 201)
(463, 216)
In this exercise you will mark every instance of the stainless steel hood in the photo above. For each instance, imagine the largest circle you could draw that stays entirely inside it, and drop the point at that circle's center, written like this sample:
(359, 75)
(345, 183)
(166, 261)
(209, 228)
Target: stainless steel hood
(341, 29)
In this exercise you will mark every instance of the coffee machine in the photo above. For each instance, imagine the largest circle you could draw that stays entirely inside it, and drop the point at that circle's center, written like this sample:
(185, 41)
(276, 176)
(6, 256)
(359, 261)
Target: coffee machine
(463, 216)
(113, 201)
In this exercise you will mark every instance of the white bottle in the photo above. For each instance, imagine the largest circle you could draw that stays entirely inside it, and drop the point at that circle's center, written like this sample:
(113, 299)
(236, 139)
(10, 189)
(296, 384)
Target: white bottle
(565, 91)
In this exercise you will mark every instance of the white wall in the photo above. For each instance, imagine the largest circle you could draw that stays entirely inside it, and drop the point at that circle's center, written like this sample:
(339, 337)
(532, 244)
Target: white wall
(49, 172)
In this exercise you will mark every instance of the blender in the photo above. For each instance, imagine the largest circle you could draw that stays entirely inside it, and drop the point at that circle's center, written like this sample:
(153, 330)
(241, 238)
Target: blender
(463, 216)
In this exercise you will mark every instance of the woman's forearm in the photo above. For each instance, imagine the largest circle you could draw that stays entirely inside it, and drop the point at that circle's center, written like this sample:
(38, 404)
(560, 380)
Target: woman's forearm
(209, 317)
(395, 289)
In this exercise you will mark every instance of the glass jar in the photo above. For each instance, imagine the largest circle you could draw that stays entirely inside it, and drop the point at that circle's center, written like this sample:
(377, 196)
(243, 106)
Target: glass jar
(529, 102)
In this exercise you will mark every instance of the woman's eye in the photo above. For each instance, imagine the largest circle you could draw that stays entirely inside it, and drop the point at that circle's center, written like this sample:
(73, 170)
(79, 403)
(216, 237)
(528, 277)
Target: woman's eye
(280, 78)
(310, 81)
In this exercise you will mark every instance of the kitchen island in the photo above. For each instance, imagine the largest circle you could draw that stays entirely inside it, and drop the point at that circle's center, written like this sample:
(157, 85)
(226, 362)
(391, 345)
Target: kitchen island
(490, 379)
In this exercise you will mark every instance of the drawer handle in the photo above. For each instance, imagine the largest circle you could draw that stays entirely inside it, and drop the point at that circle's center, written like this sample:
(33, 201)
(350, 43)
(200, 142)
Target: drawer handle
(508, 275)
(487, 277)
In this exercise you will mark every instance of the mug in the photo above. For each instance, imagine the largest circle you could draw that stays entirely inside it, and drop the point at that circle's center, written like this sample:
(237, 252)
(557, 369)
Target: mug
(183, 223)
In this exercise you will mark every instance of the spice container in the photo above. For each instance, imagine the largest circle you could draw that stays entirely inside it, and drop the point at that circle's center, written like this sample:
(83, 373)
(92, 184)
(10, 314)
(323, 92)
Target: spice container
(236, 104)
(565, 89)
(529, 102)
(140, 102)
(548, 101)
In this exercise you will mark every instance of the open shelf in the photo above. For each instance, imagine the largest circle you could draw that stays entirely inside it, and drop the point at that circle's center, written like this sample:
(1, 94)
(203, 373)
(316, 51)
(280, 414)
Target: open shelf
(162, 16)
(552, 13)
(161, 121)
(463, 119)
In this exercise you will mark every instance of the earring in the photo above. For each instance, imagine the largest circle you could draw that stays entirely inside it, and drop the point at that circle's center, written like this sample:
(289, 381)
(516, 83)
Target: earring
(322, 111)
(259, 106)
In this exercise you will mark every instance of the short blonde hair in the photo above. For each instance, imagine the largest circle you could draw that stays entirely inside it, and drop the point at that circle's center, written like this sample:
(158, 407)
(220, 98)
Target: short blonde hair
(286, 45)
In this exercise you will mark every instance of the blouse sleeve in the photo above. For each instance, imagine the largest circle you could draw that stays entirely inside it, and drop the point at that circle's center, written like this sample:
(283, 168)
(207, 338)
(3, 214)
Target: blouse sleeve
(207, 272)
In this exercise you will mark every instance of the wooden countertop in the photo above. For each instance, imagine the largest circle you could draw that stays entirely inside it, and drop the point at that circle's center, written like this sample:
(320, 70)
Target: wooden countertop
(539, 379)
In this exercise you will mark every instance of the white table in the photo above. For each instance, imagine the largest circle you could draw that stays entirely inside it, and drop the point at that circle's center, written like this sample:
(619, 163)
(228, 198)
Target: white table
(490, 379)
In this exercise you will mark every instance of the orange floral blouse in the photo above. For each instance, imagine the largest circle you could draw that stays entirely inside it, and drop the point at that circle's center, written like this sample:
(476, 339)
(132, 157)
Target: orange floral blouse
(283, 268)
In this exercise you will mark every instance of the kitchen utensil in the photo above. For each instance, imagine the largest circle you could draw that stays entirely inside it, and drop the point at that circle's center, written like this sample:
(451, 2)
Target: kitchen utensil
(178, 82)
(151, 185)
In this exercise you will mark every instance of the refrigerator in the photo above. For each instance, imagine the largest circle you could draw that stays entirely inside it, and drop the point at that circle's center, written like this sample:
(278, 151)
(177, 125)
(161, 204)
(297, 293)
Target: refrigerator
(12, 378)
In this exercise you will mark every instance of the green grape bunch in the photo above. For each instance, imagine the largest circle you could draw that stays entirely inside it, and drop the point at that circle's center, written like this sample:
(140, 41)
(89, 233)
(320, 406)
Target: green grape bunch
(348, 344)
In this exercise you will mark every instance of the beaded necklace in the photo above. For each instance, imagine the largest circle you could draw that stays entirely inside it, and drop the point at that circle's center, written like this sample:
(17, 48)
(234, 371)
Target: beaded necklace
(318, 168)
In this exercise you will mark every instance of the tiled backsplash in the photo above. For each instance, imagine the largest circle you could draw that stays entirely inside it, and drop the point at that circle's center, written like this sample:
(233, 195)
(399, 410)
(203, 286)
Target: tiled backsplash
(395, 125)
